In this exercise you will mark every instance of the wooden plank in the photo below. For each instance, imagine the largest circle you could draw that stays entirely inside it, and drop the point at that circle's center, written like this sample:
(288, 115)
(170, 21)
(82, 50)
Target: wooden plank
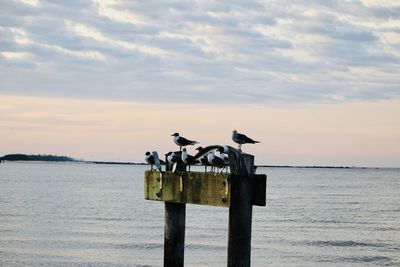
(240, 210)
(188, 187)
(199, 188)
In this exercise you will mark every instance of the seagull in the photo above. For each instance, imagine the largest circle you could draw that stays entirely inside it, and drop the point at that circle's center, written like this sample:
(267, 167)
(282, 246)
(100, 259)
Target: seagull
(223, 150)
(172, 157)
(186, 158)
(149, 159)
(235, 157)
(182, 141)
(215, 161)
(242, 139)
(203, 160)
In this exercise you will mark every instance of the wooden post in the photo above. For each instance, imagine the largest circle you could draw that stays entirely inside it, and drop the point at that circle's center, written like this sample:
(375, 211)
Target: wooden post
(239, 190)
(240, 212)
(174, 230)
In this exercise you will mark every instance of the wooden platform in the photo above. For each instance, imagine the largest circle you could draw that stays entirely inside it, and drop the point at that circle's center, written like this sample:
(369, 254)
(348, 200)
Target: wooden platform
(213, 189)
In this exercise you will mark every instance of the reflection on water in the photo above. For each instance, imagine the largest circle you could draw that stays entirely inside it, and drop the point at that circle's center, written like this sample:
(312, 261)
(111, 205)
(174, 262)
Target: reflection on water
(67, 214)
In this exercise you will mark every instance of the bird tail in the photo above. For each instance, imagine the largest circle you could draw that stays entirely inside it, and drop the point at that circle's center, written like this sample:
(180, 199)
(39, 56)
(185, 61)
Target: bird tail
(254, 142)
(195, 142)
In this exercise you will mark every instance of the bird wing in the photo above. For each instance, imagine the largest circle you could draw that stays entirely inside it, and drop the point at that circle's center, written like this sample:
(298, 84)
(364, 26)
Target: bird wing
(246, 139)
(157, 160)
(190, 159)
(204, 151)
(184, 141)
(151, 159)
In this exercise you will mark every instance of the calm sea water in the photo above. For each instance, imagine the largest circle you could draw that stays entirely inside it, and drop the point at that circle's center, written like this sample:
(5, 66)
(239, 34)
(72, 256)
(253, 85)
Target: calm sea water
(67, 214)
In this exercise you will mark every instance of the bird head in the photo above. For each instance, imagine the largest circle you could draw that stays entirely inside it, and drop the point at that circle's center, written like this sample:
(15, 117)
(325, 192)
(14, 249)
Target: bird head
(147, 153)
(234, 131)
(199, 148)
(169, 153)
(175, 134)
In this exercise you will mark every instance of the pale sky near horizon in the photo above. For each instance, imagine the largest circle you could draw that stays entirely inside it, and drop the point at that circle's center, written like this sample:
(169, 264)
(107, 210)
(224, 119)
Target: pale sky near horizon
(317, 83)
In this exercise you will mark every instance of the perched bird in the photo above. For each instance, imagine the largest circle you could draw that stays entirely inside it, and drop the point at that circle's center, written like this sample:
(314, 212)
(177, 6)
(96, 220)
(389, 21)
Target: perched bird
(182, 141)
(223, 149)
(242, 139)
(186, 158)
(172, 157)
(149, 159)
(215, 161)
(203, 160)
(224, 157)
(235, 157)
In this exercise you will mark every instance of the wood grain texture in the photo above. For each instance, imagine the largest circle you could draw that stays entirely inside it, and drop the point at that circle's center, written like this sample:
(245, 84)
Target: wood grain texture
(193, 188)
(240, 211)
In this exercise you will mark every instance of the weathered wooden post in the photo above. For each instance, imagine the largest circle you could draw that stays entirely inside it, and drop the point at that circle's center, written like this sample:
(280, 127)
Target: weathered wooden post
(238, 190)
(240, 212)
(174, 229)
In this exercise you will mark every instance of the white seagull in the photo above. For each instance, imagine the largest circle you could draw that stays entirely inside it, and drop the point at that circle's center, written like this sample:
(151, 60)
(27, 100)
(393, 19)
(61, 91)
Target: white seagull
(242, 139)
(149, 159)
(182, 141)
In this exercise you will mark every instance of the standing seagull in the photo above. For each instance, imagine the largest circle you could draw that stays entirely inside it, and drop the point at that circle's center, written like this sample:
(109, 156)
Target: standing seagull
(215, 161)
(149, 159)
(242, 139)
(186, 158)
(173, 157)
(203, 160)
(182, 141)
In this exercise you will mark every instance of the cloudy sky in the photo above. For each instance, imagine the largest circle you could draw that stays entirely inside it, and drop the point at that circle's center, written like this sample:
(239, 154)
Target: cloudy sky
(316, 82)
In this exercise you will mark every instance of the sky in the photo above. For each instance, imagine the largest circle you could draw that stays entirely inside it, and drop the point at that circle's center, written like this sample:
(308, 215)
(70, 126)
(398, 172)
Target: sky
(317, 81)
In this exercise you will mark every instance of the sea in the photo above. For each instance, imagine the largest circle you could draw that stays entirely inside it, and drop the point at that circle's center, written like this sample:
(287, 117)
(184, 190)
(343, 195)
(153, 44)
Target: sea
(76, 214)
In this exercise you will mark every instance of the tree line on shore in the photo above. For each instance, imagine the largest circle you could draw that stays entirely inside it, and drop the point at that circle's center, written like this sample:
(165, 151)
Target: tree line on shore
(24, 157)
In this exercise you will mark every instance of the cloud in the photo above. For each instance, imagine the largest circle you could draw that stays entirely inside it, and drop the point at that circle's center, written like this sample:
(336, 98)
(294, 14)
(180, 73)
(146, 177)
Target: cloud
(201, 51)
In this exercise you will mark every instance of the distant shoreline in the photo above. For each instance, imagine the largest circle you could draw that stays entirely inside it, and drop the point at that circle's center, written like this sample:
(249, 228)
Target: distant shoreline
(115, 163)
(66, 159)
(319, 167)
(144, 164)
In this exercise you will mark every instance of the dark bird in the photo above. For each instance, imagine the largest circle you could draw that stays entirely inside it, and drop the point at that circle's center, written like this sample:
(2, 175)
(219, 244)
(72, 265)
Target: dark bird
(186, 158)
(235, 157)
(173, 157)
(224, 151)
(215, 161)
(242, 139)
(203, 160)
(182, 141)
